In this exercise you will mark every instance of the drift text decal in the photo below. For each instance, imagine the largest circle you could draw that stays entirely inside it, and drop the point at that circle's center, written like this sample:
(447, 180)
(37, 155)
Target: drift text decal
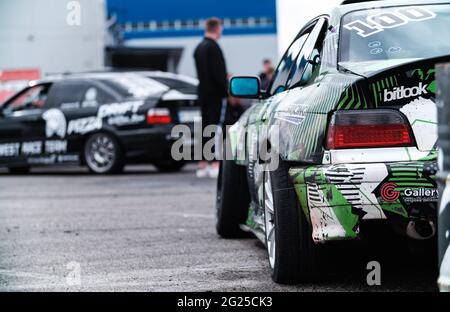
(84, 125)
(381, 21)
(9, 149)
(116, 114)
(33, 148)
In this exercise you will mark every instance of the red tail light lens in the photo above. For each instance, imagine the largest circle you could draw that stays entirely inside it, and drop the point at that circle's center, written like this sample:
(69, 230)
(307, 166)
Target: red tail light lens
(369, 128)
(158, 116)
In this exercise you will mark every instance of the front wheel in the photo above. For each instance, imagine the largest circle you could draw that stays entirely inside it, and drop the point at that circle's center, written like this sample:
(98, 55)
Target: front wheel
(291, 250)
(103, 154)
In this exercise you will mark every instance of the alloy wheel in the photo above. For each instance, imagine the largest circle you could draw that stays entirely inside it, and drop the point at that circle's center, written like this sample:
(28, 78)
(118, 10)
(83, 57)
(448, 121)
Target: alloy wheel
(101, 153)
(269, 217)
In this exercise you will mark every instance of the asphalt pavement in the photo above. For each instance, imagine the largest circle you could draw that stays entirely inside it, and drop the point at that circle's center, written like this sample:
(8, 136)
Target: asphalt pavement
(63, 229)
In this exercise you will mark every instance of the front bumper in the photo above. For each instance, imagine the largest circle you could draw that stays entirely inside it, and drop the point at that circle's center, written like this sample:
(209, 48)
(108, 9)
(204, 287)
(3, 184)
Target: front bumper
(337, 198)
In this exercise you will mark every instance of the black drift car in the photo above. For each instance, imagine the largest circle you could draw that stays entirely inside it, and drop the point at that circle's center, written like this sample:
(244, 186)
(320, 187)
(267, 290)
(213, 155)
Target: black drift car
(101, 120)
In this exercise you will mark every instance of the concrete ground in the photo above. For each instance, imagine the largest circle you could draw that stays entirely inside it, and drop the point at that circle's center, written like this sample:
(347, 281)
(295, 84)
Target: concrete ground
(62, 229)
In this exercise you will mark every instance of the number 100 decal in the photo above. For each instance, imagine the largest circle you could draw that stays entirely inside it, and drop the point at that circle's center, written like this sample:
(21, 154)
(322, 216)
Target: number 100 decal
(381, 21)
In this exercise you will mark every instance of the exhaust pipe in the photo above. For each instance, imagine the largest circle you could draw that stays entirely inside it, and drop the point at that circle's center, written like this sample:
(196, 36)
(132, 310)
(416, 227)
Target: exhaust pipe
(421, 229)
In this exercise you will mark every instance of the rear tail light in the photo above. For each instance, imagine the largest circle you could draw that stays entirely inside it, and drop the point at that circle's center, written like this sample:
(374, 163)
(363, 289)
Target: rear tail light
(158, 116)
(369, 128)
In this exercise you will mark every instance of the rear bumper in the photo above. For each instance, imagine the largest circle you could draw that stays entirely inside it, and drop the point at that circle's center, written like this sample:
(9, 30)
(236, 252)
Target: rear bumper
(338, 198)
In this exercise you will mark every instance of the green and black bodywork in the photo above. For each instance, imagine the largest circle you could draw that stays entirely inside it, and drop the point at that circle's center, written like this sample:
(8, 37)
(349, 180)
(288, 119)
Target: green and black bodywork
(338, 190)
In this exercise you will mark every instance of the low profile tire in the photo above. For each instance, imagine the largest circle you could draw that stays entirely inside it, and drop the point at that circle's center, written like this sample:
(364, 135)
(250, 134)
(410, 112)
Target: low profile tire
(232, 200)
(291, 250)
(170, 166)
(103, 154)
(19, 170)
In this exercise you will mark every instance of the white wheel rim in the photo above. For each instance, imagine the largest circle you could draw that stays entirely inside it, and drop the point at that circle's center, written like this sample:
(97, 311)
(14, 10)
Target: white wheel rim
(269, 217)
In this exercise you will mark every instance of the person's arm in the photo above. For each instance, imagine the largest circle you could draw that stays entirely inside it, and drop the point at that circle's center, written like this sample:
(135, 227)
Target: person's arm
(219, 71)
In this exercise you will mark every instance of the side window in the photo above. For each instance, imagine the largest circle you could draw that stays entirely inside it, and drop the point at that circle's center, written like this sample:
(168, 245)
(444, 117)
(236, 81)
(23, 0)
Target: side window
(74, 94)
(284, 67)
(95, 96)
(31, 98)
(68, 93)
(307, 64)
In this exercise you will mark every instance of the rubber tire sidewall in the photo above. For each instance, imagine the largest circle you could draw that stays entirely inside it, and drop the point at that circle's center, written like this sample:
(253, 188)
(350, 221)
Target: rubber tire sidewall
(295, 252)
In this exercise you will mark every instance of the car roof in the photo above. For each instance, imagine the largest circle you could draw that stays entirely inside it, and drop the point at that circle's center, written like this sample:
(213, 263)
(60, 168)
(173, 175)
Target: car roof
(94, 75)
(113, 74)
(345, 8)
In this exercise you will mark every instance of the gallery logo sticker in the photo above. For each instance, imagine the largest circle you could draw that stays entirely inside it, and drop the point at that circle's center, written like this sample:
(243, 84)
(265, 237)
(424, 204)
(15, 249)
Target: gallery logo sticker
(388, 192)
(404, 93)
(55, 123)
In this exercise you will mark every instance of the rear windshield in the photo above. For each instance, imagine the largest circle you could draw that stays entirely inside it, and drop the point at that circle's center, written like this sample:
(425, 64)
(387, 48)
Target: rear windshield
(386, 37)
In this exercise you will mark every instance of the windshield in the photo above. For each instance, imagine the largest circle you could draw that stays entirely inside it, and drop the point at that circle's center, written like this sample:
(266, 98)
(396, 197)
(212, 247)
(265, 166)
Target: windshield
(372, 40)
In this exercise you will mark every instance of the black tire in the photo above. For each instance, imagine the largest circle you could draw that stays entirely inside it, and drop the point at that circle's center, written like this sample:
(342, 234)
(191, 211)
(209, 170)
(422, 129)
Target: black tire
(232, 200)
(19, 170)
(170, 166)
(112, 154)
(295, 253)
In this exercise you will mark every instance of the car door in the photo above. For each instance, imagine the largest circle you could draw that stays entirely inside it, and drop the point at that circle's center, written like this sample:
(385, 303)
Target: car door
(293, 64)
(258, 116)
(22, 128)
(79, 100)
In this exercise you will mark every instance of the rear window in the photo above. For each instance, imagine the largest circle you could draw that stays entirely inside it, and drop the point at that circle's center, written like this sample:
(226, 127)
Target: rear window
(384, 37)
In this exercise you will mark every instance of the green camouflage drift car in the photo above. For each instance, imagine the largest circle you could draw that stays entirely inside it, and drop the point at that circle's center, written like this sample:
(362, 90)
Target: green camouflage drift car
(345, 135)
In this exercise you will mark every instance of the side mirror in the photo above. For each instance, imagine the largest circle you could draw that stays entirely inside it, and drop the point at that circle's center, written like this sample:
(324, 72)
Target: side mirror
(245, 87)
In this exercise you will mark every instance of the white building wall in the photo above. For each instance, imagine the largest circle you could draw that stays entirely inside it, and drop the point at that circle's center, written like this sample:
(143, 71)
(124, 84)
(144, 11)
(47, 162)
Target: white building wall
(35, 34)
(293, 14)
(244, 53)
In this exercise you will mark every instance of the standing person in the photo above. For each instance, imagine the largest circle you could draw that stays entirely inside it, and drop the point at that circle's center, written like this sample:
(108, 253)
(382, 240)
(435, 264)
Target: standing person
(213, 85)
(266, 75)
